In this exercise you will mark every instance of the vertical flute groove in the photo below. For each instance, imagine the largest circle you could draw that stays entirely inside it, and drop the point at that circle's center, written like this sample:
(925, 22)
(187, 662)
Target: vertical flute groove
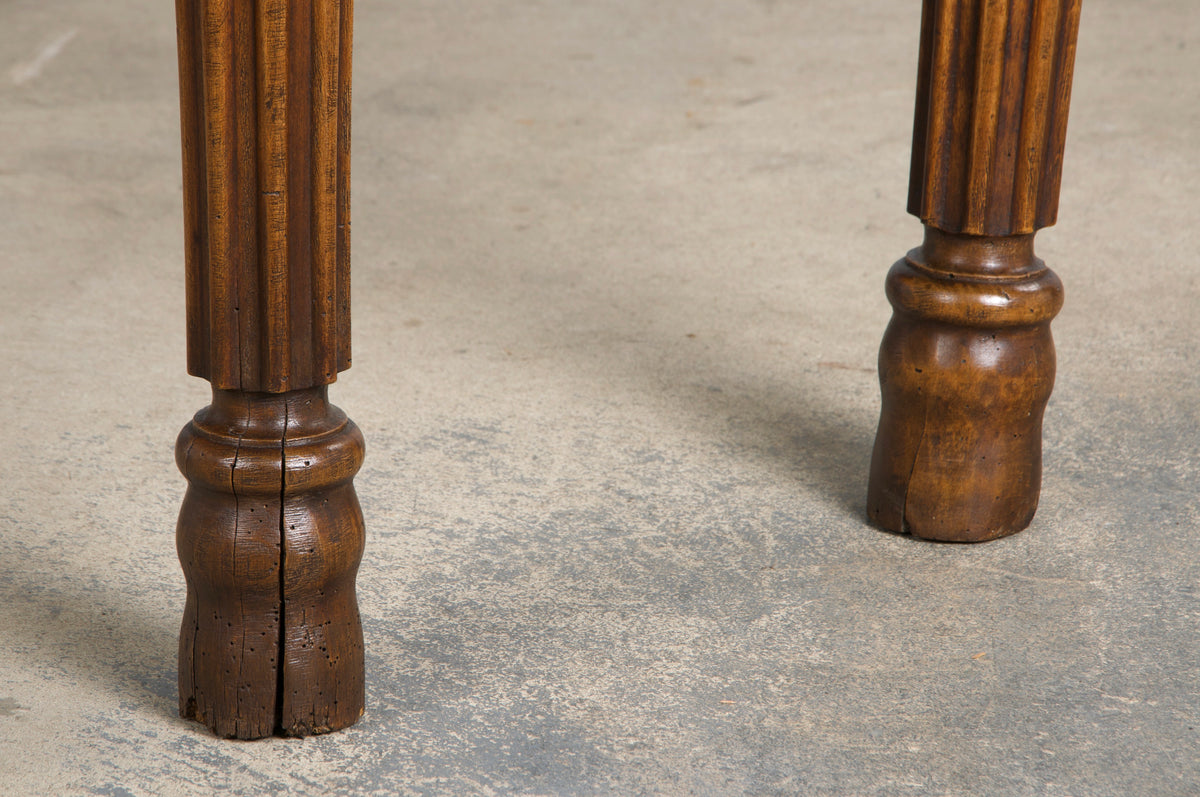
(273, 195)
(326, 35)
(1068, 34)
(222, 275)
(1035, 121)
(343, 187)
(195, 219)
(246, 182)
(989, 72)
(1000, 190)
(941, 91)
(300, 192)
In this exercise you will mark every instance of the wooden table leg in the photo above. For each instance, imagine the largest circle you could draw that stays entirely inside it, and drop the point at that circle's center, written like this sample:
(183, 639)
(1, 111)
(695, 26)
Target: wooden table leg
(270, 534)
(967, 363)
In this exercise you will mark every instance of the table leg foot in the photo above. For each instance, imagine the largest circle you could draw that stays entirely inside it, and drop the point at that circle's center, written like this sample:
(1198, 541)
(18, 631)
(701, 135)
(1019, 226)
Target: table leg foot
(966, 368)
(270, 537)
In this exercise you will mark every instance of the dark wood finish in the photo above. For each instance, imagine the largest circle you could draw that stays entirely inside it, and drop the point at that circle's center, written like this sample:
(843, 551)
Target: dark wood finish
(270, 533)
(265, 97)
(967, 363)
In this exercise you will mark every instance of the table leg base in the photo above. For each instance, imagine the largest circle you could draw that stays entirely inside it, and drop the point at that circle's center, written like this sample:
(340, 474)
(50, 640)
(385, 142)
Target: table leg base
(270, 536)
(966, 368)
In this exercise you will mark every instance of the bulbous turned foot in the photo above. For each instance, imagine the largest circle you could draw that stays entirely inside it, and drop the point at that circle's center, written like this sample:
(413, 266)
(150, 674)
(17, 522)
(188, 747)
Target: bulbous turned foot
(270, 537)
(965, 369)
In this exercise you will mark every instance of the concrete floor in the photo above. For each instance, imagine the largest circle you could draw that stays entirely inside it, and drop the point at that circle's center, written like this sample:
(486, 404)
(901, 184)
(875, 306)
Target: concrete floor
(618, 293)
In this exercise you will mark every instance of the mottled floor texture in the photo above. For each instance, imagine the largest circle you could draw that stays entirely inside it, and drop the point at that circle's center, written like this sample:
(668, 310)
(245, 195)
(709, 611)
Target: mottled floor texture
(618, 292)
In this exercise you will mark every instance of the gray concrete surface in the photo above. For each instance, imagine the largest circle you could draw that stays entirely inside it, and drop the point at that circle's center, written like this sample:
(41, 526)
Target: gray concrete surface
(618, 293)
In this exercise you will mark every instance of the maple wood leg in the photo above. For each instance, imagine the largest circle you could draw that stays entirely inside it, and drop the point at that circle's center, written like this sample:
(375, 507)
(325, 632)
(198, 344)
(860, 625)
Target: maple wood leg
(270, 533)
(967, 362)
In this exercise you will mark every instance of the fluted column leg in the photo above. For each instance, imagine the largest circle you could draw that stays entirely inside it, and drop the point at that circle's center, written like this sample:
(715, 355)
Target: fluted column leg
(967, 363)
(270, 533)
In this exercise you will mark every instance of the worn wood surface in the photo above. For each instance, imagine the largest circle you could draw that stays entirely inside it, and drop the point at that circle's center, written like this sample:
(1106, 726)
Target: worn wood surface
(265, 100)
(967, 363)
(270, 533)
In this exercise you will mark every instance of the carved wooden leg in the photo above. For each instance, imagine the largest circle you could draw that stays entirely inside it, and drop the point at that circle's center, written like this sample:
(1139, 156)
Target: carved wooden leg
(967, 363)
(270, 533)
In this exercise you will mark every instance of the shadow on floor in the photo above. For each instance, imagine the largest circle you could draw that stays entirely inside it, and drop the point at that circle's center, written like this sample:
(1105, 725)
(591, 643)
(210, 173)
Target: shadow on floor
(81, 622)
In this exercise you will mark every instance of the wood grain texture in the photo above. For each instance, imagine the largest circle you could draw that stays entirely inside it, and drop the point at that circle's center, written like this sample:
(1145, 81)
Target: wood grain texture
(965, 370)
(993, 94)
(270, 537)
(265, 98)
(270, 533)
(967, 363)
